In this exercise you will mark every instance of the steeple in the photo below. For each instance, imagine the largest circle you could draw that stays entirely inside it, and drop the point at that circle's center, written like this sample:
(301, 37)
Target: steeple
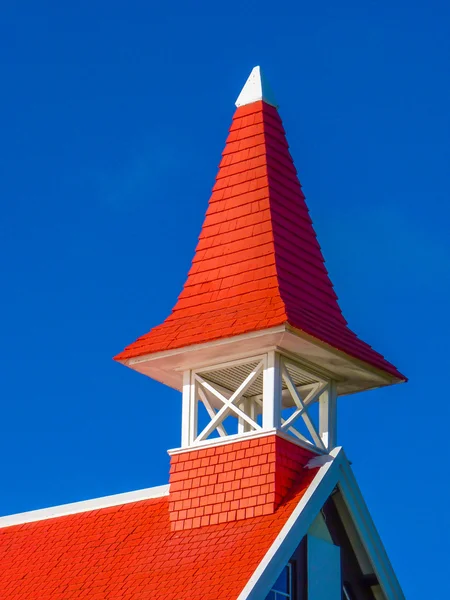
(257, 328)
(261, 503)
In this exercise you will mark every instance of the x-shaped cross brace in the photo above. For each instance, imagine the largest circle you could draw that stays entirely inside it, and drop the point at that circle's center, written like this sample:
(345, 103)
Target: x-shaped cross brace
(229, 404)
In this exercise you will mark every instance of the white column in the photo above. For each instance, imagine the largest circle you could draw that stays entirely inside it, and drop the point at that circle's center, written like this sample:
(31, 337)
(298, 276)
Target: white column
(188, 411)
(248, 406)
(271, 418)
(243, 426)
(328, 416)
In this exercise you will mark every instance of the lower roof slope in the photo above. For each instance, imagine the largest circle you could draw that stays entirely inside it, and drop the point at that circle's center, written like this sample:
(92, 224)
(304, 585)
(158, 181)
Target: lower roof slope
(258, 263)
(129, 552)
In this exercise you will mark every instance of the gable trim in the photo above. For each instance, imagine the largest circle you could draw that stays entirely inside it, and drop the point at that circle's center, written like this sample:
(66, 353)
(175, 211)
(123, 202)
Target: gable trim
(334, 472)
(369, 536)
(295, 528)
(84, 506)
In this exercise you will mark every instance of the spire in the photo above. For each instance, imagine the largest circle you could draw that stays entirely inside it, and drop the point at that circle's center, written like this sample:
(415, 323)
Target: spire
(258, 264)
(256, 88)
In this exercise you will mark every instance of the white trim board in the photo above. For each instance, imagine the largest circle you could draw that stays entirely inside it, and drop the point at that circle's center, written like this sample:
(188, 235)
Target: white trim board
(242, 437)
(368, 534)
(293, 530)
(352, 374)
(332, 473)
(84, 506)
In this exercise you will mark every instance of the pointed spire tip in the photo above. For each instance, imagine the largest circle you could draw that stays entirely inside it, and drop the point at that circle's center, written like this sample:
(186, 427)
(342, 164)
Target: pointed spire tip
(256, 88)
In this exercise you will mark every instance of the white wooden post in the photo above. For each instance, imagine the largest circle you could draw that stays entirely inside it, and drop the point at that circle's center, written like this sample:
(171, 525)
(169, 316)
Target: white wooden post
(193, 412)
(328, 416)
(243, 426)
(188, 411)
(253, 409)
(248, 406)
(271, 418)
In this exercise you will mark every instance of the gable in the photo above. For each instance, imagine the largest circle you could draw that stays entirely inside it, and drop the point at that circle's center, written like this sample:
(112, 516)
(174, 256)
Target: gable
(333, 493)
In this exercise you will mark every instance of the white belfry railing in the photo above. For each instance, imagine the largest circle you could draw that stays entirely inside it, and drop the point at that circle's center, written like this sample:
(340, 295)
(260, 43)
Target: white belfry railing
(256, 391)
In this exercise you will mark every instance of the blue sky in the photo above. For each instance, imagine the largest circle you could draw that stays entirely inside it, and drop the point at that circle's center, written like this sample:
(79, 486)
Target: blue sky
(112, 118)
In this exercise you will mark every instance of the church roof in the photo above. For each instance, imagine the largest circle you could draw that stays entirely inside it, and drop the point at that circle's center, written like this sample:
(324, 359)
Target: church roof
(258, 263)
(129, 551)
(121, 550)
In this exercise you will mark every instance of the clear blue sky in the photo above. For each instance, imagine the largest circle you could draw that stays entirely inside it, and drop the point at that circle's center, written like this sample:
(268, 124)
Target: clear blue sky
(113, 116)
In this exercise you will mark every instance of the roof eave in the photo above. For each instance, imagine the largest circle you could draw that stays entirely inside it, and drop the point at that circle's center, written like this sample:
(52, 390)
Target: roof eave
(351, 374)
(390, 377)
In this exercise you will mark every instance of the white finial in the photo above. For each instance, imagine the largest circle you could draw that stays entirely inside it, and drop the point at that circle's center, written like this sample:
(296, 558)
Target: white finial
(256, 88)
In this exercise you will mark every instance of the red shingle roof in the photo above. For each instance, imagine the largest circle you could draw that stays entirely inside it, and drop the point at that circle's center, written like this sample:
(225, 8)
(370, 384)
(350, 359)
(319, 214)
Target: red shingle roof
(258, 263)
(129, 552)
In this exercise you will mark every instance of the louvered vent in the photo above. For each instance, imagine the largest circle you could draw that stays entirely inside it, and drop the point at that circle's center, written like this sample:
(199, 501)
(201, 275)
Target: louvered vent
(231, 377)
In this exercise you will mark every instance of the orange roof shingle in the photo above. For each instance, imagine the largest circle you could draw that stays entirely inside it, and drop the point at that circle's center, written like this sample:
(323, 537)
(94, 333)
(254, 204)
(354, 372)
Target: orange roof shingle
(129, 552)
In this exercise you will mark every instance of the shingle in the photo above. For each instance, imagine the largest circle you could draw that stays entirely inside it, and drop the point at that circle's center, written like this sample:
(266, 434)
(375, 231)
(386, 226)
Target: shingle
(257, 217)
(130, 551)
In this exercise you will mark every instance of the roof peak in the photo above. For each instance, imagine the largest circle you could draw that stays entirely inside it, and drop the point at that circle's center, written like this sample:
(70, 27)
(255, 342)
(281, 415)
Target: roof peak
(256, 88)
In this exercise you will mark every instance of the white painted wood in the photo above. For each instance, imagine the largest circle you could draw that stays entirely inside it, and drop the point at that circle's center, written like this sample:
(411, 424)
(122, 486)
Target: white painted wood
(304, 370)
(230, 439)
(272, 392)
(229, 404)
(212, 443)
(293, 531)
(324, 570)
(253, 410)
(211, 412)
(248, 406)
(221, 415)
(193, 411)
(334, 471)
(259, 402)
(353, 535)
(231, 363)
(352, 375)
(186, 410)
(333, 416)
(368, 533)
(293, 431)
(256, 88)
(212, 389)
(286, 396)
(221, 402)
(328, 416)
(84, 506)
(302, 407)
